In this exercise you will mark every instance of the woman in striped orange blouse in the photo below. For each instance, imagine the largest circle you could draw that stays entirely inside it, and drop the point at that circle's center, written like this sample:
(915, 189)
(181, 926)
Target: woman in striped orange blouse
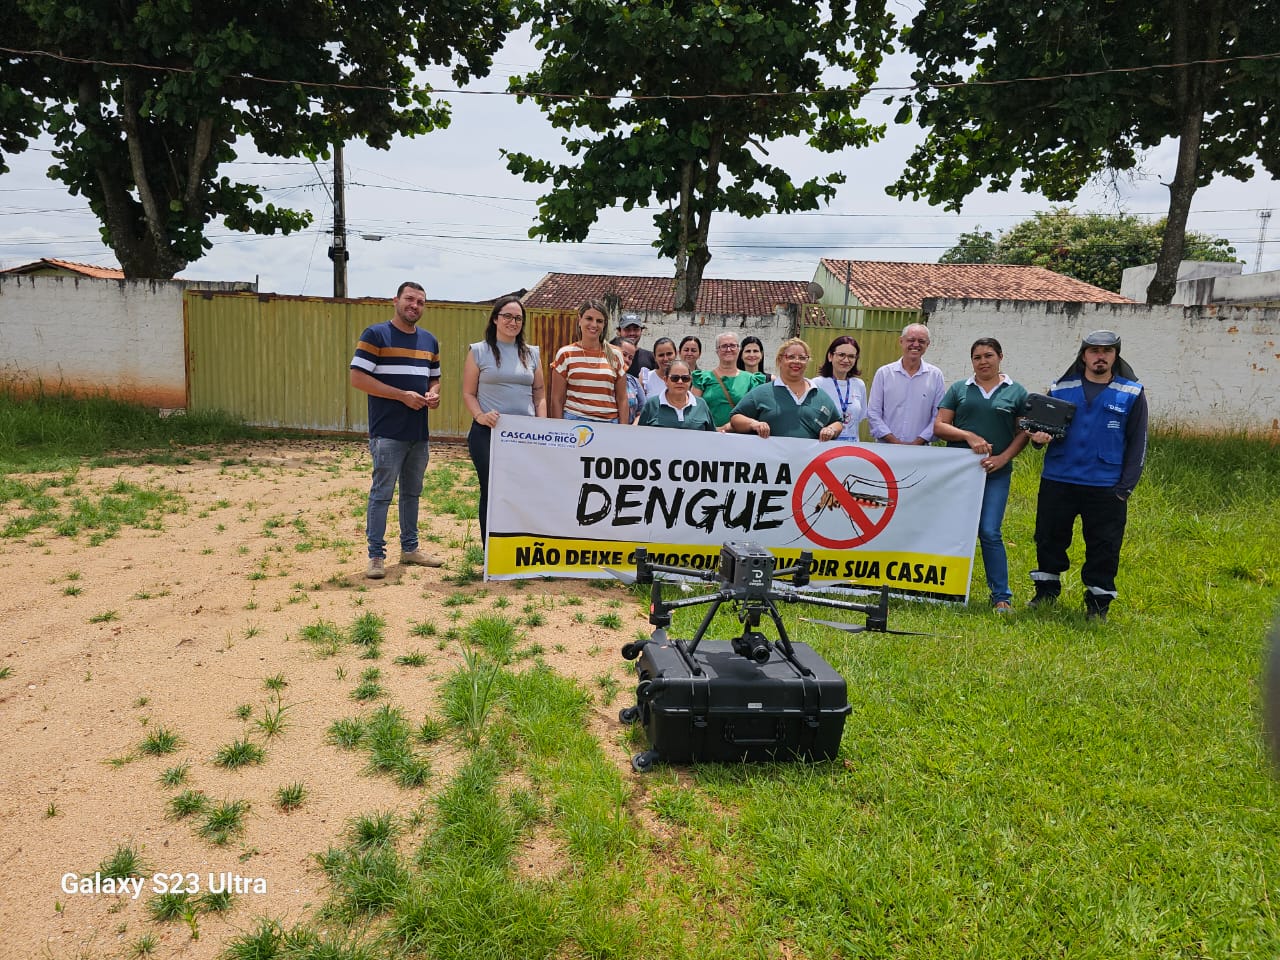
(588, 377)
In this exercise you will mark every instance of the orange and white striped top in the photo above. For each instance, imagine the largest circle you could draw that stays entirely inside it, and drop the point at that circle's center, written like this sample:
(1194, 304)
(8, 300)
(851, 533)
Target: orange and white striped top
(590, 382)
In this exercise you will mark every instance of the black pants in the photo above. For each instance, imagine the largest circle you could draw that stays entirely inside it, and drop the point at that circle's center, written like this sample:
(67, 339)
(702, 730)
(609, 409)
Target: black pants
(478, 447)
(1102, 519)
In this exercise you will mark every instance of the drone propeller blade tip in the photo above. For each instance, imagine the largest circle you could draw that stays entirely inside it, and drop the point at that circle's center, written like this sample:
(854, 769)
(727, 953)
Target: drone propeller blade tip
(627, 578)
(836, 625)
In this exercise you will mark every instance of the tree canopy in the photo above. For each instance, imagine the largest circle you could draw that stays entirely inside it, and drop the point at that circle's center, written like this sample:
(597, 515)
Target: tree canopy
(145, 101)
(1093, 247)
(674, 101)
(1097, 98)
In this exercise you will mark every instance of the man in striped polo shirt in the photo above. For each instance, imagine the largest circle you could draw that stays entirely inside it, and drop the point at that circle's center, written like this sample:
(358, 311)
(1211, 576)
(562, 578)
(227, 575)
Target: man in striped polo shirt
(398, 366)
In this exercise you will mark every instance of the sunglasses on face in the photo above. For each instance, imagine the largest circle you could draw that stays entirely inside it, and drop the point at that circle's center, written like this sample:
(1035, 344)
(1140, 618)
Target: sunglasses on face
(678, 378)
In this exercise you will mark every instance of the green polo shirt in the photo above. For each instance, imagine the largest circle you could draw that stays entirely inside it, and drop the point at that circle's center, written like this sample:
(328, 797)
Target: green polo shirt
(776, 405)
(656, 412)
(994, 418)
(738, 386)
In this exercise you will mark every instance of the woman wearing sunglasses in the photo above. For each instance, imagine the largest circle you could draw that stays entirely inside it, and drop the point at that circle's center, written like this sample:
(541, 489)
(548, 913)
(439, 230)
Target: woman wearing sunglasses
(676, 406)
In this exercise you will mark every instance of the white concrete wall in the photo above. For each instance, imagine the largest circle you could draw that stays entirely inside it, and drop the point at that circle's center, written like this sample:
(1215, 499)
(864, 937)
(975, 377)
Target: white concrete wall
(1207, 368)
(89, 336)
(771, 330)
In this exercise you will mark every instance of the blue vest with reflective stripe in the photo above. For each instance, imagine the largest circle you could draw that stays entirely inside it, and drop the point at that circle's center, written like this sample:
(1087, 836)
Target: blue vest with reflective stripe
(1092, 454)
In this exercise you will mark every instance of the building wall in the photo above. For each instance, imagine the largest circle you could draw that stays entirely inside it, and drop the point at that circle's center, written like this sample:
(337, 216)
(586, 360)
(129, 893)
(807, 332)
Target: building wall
(88, 336)
(772, 330)
(1208, 283)
(1207, 368)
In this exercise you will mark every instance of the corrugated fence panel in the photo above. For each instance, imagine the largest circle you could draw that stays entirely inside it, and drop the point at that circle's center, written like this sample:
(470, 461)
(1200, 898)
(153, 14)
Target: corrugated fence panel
(283, 361)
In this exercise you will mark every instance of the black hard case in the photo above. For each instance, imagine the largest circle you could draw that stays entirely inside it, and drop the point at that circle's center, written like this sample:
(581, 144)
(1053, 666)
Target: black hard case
(736, 709)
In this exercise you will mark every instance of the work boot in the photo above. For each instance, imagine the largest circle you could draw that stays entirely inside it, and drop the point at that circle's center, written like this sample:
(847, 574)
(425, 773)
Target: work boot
(1096, 606)
(420, 559)
(1046, 594)
(377, 568)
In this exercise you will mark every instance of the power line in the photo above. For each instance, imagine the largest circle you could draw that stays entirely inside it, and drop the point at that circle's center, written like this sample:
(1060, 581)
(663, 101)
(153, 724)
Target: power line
(545, 95)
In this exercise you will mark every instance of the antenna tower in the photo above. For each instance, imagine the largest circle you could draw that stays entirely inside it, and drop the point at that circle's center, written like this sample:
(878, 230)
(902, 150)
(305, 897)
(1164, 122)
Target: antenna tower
(1264, 217)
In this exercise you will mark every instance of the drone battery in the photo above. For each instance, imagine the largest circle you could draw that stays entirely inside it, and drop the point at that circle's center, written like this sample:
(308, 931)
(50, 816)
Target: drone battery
(735, 709)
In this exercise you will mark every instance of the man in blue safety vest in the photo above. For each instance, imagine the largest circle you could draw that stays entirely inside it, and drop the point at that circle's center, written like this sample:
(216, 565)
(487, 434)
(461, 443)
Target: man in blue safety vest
(1090, 473)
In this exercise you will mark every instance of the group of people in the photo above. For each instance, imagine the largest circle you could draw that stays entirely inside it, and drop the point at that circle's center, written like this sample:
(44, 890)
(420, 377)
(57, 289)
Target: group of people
(1088, 473)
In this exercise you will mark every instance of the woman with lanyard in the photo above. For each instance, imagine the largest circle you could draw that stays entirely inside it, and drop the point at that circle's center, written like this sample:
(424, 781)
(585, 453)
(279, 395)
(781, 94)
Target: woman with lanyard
(790, 406)
(839, 378)
(751, 356)
(501, 375)
(588, 376)
(981, 413)
(676, 406)
(725, 385)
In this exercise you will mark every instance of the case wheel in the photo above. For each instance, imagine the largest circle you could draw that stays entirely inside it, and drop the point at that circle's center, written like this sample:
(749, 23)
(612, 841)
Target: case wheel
(632, 650)
(629, 714)
(643, 762)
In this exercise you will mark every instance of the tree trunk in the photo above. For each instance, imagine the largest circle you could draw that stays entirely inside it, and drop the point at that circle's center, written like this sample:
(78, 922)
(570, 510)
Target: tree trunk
(694, 252)
(1190, 89)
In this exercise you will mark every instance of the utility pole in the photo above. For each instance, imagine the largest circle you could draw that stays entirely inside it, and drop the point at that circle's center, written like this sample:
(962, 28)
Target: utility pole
(1264, 216)
(338, 253)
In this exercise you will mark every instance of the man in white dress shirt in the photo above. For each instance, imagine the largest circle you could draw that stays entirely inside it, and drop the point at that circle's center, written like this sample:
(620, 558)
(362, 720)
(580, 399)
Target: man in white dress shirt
(905, 394)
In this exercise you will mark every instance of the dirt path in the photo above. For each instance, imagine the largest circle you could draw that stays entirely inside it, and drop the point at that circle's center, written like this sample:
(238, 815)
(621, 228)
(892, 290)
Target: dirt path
(176, 627)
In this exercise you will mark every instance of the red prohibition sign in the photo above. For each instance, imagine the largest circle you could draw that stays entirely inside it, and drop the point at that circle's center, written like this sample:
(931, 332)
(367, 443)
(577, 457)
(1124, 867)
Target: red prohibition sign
(820, 468)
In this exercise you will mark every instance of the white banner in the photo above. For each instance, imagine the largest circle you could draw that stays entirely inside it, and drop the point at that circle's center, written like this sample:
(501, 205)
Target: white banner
(569, 499)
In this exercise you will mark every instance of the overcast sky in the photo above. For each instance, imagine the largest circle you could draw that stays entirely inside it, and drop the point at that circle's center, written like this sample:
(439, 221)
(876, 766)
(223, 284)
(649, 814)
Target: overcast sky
(450, 215)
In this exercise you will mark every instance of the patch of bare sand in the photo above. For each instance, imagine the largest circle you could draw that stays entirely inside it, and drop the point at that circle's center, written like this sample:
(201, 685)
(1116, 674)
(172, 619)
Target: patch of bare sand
(191, 619)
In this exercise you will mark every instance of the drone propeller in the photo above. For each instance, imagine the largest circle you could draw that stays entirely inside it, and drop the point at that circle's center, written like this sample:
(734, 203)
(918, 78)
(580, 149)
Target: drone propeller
(628, 578)
(860, 628)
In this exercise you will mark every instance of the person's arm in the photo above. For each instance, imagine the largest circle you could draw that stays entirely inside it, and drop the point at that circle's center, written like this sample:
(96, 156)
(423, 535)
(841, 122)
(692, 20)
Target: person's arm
(875, 411)
(620, 397)
(539, 392)
(555, 401)
(1135, 448)
(374, 387)
(471, 394)
(939, 391)
(741, 423)
(944, 428)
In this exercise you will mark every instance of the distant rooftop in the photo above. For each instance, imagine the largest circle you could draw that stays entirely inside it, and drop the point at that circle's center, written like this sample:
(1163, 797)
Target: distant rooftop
(747, 298)
(882, 284)
(49, 265)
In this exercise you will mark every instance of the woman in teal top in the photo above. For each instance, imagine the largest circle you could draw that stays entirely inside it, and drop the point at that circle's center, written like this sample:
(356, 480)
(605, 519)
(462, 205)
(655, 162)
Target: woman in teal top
(724, 386)
(676, 406)
(981, 413)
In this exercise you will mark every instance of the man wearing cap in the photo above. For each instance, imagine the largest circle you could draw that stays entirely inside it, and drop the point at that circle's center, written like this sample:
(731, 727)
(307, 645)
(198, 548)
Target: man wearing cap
(1090, 473)
(629, 328)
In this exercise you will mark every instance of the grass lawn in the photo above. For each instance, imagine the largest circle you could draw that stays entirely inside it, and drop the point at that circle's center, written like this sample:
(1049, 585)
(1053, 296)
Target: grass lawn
(1025, 786)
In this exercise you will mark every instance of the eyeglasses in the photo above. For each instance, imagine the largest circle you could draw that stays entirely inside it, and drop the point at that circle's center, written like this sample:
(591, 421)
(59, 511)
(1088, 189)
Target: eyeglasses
(513, 317)
(727, 346)
(924, 340)
(795, 359)
(678, 378)
(844, 356)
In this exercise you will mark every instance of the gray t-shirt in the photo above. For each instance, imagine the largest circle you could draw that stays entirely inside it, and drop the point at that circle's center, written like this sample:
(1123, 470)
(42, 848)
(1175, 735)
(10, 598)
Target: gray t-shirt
(507, 388)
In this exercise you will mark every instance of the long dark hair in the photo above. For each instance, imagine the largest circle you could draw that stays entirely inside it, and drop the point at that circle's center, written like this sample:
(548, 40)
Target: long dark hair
(843, 341)
(743, 346)
(491, 332)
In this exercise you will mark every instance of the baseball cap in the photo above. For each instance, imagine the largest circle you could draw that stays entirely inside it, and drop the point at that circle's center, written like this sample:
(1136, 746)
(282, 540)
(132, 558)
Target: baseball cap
(631, 320)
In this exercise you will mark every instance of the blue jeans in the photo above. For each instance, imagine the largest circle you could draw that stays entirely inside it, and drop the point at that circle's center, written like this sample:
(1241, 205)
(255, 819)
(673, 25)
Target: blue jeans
(994, 498)
(403, 461)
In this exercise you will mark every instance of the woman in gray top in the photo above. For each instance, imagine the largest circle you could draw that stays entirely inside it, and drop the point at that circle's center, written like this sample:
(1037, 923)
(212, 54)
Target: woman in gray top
(502, 374)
